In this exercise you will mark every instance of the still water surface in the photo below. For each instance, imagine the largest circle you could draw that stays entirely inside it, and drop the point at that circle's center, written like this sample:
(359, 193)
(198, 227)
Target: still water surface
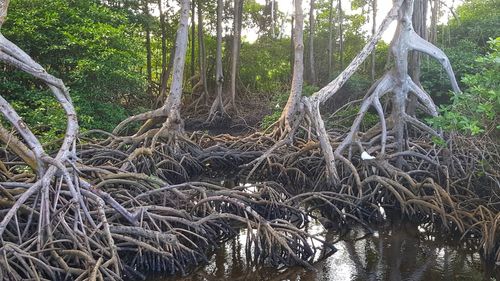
(403, 252)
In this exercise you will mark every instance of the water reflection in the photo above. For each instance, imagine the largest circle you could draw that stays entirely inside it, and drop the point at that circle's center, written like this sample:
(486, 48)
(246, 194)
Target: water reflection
(394, 253)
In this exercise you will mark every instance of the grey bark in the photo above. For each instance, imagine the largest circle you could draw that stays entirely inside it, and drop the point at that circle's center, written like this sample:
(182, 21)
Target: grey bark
(312, 66)
(173, 103)
(218, 105)
(341, 33)
(202, 52)
(374, 29)
(149, 71)
(435, 10)
(398, 82)
(420, 26)
(290, 110)
(238, 14)
(164, 77)
(330, 39)
(193, 41)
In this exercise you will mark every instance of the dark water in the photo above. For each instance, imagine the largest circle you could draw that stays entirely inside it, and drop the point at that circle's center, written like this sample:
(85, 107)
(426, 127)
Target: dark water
(403, 252)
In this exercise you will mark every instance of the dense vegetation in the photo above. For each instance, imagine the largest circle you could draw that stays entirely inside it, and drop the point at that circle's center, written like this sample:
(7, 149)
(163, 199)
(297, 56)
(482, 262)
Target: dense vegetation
(99, 50)
(101, 181)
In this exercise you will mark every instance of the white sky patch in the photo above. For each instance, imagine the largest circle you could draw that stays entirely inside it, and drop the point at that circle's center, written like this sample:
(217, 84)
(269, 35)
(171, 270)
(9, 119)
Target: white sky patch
(384, 6)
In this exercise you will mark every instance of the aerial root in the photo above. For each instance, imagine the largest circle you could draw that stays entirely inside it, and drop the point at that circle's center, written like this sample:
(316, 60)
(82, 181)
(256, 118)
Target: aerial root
(176, 226)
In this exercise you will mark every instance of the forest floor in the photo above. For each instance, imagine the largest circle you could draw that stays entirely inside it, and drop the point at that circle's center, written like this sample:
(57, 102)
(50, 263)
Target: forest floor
(247, 120)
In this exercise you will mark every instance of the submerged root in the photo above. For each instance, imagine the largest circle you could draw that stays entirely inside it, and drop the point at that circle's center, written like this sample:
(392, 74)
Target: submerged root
(175, 226)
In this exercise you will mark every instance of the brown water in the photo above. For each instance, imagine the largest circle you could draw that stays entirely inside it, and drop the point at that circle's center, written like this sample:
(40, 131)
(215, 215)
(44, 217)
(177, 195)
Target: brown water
(391, 253)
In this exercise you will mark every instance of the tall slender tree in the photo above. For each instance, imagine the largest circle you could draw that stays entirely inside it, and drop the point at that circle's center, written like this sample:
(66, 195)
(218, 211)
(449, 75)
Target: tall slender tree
(193, 41)
(435, 10)
(237, 23)
(312, 65)
(163, 28)
(374, 30)
(291, 108)
(147, 29)
(217, 108)
(419, 19)
(174, 122)
(341, 33)
(330, 39)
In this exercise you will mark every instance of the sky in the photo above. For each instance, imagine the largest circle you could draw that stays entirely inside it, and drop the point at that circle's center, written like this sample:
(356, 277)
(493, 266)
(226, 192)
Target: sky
(286, 6)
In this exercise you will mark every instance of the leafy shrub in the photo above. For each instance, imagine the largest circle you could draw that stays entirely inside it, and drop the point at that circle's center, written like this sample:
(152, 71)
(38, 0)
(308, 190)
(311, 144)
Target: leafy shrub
(96, 51)
(476, 110)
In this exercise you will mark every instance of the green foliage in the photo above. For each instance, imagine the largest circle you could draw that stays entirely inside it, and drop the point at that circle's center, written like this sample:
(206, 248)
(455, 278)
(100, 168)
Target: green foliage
(278, 102)
(463, 40)
(476, 111)
(270, 119)
(435, 80)
(345, 117)
(93, 49)
(478, 20)
(265, 65)
(308, 90)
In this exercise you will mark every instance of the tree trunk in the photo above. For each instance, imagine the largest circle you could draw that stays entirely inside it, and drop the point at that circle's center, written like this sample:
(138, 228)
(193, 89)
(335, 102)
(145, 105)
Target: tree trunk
(173, 103)
(202, 52)
(419, 25)
(330, 39)
(292, 47)
(436, 8)
(147, 29)
(164, 77)
(218, 105)
(273, 27)
(341, 34)
(238, 14)
(290, 110)
(374, 29)
(193, 42)
(398, 82)
(312, 70)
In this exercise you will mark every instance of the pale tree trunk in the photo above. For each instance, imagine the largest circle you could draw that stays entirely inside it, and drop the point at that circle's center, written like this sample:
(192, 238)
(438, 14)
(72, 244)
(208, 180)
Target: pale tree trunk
(238, 14)
(173, 125)
(149, 71)
(296, 106)
(398, 82)
(173, 103)
(312, 70)
(291, 107)
(330, 39)
(312, 103)
(420, 27)
(201, 86)
(292, 47)
(341, 34)
(218, 105)
(193, 41)
(292, 114)
(273, 27)
(202, 53)
(435, 10)
(164, 77)
(374, 29)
